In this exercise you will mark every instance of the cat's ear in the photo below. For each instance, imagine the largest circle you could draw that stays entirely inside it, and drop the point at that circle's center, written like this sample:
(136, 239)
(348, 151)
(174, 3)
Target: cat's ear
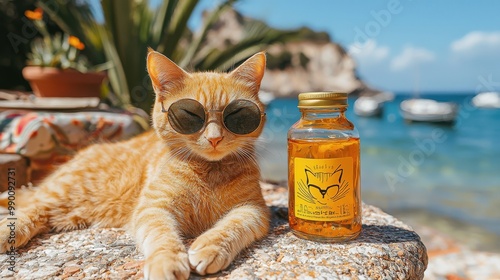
(309, 172)
(164, 73)
(251, 71)
(339, 172)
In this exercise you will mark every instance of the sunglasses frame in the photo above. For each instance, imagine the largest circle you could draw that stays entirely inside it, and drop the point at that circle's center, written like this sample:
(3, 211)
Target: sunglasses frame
(221, 113)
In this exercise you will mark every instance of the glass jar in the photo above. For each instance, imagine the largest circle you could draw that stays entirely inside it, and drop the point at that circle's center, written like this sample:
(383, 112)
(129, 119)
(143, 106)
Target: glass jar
(324, 170)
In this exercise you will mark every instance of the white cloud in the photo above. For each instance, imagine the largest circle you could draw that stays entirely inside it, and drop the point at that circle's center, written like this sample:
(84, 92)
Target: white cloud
(476, 42)
(410, 57)
(368, 53)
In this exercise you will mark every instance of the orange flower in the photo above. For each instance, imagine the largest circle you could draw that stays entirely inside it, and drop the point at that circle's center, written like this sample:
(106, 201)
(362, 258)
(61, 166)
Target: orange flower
(37, 14)
(75, 42)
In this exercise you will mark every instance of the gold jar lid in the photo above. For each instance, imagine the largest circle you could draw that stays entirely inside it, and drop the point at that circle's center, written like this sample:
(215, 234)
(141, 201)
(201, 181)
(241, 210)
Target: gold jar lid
(323, 99)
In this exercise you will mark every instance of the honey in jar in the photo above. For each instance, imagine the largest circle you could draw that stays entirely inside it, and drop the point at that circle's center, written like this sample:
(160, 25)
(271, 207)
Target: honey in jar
(324, 170)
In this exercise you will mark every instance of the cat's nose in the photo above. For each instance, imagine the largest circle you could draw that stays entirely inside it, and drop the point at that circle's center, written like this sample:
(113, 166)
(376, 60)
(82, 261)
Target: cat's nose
(214, 141)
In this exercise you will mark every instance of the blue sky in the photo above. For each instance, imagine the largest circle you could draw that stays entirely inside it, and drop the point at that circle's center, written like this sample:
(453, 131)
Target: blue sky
(400, 45)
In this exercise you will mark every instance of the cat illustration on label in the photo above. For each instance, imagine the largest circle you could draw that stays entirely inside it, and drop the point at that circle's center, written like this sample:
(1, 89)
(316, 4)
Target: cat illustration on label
(325, 187)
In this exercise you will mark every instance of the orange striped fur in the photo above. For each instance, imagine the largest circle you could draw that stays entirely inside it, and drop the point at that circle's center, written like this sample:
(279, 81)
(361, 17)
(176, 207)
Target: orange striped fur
(163, 186)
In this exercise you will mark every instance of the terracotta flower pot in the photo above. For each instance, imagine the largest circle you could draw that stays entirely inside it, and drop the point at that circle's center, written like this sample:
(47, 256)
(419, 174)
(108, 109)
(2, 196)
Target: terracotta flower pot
(53, 82)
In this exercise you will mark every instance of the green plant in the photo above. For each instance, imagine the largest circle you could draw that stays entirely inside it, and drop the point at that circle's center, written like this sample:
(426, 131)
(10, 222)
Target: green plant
(56, 52)
(77, 17)
(163, 28)
(59, 51)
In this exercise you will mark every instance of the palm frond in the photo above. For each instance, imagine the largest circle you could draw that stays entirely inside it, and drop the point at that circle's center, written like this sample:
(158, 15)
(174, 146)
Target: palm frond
(177, 26)
(200, 36)
(161, 22)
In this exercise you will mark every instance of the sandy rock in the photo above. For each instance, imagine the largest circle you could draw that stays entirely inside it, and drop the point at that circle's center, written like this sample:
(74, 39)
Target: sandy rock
(386, 249)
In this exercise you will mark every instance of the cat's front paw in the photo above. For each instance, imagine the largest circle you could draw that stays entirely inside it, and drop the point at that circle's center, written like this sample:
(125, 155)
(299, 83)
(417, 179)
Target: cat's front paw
(205, 257)
(165, 265)
(4, 237)
(10, 238)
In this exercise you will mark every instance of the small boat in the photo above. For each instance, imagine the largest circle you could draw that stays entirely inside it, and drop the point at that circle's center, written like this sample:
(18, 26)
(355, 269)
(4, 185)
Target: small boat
(428, 110)
(366, 106)
(489, 99)
(372, 106)
(266, 97)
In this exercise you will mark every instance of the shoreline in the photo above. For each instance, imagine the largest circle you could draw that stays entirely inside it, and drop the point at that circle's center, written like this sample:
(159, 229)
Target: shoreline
(467, 234)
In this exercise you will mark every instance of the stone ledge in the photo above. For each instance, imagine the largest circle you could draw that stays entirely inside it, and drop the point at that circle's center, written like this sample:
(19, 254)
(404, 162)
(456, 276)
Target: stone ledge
(386, 249)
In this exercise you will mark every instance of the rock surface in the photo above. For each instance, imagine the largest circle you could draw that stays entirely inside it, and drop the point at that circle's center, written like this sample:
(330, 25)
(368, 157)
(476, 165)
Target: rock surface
(328, 67)
(386, 249)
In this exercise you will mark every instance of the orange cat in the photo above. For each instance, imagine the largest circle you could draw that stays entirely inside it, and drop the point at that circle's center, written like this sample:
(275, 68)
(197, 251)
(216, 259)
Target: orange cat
(195, 175)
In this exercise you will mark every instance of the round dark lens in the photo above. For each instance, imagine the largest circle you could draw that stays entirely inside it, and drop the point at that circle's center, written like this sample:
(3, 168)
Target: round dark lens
(186, 116)
(242, 117)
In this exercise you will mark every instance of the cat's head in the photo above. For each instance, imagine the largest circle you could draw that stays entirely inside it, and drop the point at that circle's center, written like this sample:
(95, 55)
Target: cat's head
(211, 115)
(323, 186)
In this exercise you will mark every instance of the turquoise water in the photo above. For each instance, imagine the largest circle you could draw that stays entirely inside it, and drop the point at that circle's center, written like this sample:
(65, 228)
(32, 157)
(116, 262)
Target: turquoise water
(451, 171)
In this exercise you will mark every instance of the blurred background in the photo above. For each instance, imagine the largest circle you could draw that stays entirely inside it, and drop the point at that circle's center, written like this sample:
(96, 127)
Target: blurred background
(423, 79)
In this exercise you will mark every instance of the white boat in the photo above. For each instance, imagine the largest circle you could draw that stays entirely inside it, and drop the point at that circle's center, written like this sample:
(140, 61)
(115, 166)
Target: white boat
(266, 97)
(428, 110)
(366, 106)
(489, 99)
(372, 106)
(385, 96)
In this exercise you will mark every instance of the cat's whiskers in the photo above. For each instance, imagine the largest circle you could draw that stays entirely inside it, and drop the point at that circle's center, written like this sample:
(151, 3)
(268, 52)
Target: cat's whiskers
(261, 146)
(185, 154)
(262, 149)
(174, 142)
(239, 158)
(179, 153)
(188, 155)
(245, 154)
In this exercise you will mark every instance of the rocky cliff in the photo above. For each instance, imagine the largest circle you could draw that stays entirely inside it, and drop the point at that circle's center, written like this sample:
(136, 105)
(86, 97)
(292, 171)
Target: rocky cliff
(311, 62)
(313, 67)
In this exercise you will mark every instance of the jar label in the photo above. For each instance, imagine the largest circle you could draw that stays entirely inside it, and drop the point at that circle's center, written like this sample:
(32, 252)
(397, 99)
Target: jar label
(324, 189)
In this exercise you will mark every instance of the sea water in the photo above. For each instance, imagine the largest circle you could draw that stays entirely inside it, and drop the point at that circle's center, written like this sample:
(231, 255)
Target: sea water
(452, 171)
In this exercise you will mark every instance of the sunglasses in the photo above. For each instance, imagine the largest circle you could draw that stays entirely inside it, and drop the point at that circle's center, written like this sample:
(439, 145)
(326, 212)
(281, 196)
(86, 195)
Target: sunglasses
(188, 116)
